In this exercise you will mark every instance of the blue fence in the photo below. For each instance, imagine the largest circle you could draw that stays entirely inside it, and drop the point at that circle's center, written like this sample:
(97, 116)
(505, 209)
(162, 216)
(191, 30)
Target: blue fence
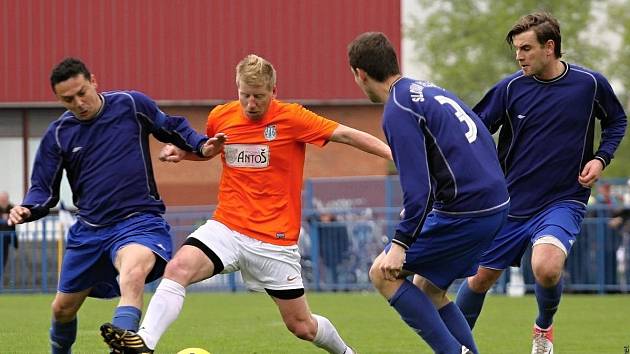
(346, 224)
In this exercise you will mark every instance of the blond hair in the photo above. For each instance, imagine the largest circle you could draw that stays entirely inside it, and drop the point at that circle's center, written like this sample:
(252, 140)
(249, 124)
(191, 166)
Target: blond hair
(256, 71)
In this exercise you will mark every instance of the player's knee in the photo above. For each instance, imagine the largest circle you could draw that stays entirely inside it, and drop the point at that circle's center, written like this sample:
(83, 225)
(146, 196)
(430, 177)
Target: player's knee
(547, 276)
(179, 270)
(64, 312)
(302, 329)
(482, 282)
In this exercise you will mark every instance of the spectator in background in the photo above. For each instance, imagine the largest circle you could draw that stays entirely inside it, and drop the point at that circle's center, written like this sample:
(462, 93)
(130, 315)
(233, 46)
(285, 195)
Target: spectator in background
(7, 232)
(333, 246)
(603, 196)
(620, 222)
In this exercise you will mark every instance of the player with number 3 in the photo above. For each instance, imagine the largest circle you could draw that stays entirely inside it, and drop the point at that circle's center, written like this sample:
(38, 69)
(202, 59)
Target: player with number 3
(454, 194)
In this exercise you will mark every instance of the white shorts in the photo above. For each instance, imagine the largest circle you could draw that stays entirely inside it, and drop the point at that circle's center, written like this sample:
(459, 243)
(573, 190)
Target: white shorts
(262, 265)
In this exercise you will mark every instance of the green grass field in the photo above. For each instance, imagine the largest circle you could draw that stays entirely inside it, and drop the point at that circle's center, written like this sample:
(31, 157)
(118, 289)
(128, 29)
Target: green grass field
(246, 323)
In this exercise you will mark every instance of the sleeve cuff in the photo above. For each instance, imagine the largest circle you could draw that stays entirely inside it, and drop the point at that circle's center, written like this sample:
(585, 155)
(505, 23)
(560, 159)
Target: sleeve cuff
(37, 212)
(198, 149)
(603, 159)
(403, 240)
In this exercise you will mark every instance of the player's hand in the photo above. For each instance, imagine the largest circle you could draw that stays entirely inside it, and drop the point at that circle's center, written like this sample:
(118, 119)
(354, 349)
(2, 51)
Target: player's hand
(591, 173)
(171, 153)
(18, 214)
(214, 145)
(392, 263)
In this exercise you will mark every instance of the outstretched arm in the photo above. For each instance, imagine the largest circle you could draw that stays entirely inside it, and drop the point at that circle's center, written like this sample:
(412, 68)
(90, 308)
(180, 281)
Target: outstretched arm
(211, 148)
(361, 140)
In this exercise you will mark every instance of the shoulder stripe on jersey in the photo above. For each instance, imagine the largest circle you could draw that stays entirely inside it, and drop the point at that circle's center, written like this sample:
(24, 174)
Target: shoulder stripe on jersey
(590, 115)
(444, 160)
(142, 152)
(57, 175)
(62, 120)
(425, 212)
(504, 163)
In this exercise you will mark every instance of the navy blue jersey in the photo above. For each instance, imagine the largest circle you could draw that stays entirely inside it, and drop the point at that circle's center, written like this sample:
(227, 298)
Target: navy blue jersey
(446, 158)
(547, 134)
(106, 159)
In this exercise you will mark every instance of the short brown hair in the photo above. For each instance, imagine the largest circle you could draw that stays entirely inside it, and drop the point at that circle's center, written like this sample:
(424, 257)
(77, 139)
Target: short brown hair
(543, 24)
(374, 53)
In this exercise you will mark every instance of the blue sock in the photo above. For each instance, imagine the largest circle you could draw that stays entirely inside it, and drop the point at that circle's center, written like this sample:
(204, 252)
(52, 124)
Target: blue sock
(470, 303)
(62, 336)
(418, 312)
(457, 325)
(548, 300)
(127, 317)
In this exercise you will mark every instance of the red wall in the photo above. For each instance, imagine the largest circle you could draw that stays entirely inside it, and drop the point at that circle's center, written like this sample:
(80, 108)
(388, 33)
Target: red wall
(186, 50)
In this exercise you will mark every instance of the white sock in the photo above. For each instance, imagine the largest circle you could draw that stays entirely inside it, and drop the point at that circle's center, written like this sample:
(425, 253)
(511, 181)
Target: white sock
(165, 306)
(328, 338)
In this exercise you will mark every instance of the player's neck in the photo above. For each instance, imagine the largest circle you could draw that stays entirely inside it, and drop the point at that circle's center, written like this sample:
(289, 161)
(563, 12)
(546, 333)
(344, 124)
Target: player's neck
(389, 84)
(555, 69)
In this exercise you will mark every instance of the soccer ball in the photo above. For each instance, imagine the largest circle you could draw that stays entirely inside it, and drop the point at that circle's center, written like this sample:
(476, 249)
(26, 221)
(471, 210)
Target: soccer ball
(193, 351)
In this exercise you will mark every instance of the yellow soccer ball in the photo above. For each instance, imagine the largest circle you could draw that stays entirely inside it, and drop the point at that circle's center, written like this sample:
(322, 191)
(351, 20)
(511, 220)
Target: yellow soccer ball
(193, 351)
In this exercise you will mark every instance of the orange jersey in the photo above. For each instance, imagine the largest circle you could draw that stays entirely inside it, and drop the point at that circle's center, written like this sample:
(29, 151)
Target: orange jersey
(263, 164)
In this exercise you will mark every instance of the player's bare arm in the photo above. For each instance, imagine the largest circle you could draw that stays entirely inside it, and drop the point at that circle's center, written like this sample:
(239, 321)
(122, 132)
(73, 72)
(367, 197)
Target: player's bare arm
(361, 140)
(591, 172)
(211, 148)
(18, 214)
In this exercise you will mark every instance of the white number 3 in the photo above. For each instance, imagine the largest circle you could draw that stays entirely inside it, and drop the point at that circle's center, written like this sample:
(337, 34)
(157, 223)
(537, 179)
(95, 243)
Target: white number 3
(471, 134)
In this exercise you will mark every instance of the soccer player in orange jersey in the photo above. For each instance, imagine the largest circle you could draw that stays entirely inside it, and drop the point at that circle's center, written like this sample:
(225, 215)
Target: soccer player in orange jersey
(262, 142)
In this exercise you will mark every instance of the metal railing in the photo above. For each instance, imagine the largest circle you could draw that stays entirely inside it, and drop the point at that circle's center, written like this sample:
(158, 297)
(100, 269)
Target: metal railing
(336, 254)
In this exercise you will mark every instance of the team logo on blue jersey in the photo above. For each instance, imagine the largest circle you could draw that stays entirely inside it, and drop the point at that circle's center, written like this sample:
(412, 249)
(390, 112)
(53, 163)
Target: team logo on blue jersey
(270, 132)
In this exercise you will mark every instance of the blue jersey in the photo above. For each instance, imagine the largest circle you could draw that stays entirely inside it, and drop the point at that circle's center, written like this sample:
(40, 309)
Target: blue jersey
(547, 134)
(106, 159)
(446, 159)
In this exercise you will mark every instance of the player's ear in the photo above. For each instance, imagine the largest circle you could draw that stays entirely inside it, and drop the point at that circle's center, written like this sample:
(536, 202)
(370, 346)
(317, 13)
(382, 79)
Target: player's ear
(359, 74)
(93, 80)
(362, 74)
(550, 47)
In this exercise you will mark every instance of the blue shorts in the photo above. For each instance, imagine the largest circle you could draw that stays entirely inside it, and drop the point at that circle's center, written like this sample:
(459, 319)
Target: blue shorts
(91, 252)
(561, 220)
(449, 248)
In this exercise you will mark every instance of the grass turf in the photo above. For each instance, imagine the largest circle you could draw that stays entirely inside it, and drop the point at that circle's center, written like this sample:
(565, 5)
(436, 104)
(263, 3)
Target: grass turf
(247, 323)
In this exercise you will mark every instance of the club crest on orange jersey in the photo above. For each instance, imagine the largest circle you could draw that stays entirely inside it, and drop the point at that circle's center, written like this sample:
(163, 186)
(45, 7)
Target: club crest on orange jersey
(270, 132)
